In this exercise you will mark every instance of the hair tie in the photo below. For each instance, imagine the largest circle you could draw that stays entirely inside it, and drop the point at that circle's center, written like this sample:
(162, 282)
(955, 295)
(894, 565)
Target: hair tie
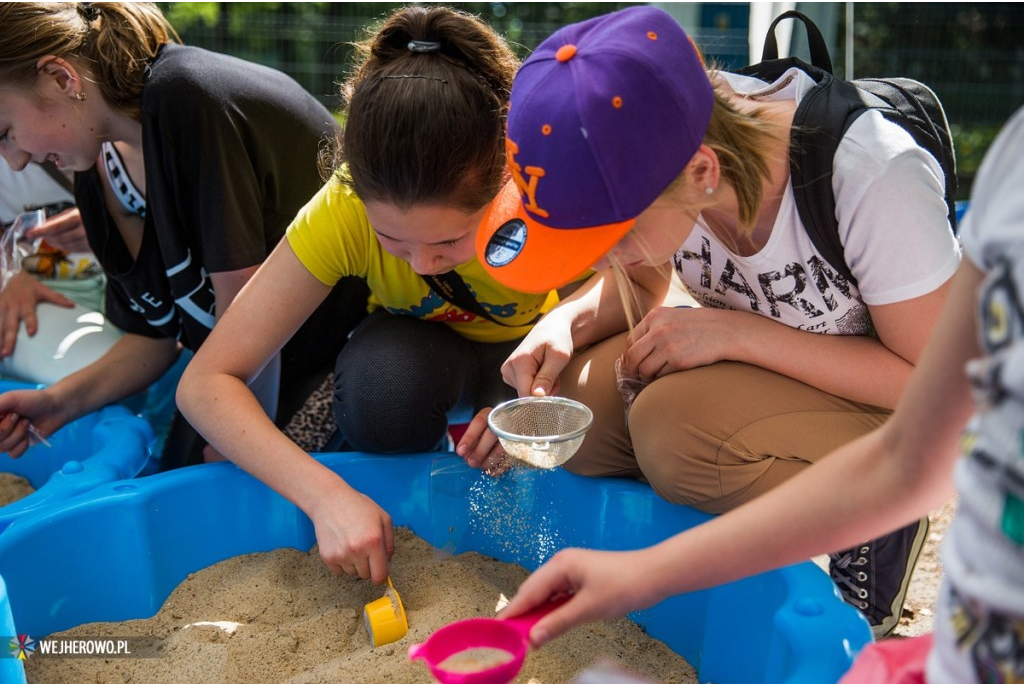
(88, 12)
(423, 46)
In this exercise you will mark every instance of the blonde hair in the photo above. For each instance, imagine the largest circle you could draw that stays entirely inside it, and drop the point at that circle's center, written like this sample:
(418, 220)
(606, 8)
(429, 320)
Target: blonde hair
(116, 40)
(741, 141)
(632, 304)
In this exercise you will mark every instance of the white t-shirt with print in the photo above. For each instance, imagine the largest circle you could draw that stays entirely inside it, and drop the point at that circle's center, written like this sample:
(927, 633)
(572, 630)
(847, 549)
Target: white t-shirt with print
(892, 214)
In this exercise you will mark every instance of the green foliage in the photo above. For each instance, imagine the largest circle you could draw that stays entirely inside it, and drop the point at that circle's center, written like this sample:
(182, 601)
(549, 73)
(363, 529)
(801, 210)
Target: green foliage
(970, 144)
(185, 15)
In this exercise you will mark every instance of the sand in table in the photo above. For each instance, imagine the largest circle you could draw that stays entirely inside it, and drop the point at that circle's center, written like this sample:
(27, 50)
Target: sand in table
(281, 616)
(13, 488)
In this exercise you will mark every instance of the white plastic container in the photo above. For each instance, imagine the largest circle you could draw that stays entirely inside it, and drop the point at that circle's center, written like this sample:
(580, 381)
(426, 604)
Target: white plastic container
(67, 339)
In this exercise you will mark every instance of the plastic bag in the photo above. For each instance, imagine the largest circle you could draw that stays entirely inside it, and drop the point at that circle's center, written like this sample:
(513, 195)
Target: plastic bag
(15, 247)
(629, 388)
(67, 272)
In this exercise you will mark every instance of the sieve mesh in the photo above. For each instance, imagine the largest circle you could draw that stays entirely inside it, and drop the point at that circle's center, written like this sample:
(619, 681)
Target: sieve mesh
(540, 431)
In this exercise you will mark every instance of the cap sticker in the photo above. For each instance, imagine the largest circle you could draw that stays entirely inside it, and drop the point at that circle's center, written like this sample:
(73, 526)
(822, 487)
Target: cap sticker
(506, 243)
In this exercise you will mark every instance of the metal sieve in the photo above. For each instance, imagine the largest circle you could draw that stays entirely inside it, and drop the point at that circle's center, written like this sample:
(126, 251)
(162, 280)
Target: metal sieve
(540, 431)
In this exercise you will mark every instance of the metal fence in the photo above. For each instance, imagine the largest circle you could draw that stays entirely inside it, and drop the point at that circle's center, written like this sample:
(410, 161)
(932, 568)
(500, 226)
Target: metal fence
(974, 60)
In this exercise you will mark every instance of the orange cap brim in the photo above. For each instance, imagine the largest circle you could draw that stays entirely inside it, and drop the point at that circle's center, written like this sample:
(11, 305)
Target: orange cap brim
(539, 258)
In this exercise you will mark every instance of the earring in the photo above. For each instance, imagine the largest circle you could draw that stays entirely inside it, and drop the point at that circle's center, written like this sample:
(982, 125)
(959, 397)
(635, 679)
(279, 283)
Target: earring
(709, 190)
(80, 95)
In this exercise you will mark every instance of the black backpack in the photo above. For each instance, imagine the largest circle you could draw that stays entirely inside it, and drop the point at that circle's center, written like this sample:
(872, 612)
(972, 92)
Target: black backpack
(824, 115)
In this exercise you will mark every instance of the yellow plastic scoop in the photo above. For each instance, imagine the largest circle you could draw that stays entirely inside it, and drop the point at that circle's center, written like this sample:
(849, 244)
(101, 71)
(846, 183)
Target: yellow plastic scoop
(385, 618)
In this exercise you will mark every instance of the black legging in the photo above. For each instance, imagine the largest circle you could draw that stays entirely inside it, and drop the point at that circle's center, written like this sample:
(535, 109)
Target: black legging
(398, 378)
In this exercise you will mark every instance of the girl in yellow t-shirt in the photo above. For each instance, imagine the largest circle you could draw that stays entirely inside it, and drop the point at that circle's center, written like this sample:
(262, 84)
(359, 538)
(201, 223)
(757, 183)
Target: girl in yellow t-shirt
(419, 162)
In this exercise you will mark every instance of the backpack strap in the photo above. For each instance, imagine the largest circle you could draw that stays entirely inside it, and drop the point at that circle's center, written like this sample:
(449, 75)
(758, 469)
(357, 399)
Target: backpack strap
(454, 290)
(818, 125)
(815, 41)
(822, 119)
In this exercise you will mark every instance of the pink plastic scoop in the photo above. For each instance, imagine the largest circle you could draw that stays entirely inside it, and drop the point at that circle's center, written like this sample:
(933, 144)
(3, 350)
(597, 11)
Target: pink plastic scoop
(481, 650)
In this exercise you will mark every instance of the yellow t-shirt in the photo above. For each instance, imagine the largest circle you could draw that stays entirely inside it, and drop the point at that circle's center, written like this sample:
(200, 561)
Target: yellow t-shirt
(332, 238)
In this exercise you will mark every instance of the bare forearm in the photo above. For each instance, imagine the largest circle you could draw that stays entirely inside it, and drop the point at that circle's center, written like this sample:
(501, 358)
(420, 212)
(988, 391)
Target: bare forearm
(131, 365)
(225, 412)
(597, 310)
(855, 367)
(801, 519)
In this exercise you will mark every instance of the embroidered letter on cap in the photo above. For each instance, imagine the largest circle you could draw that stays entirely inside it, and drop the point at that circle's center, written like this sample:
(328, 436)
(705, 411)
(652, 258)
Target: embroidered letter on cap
(519, 175)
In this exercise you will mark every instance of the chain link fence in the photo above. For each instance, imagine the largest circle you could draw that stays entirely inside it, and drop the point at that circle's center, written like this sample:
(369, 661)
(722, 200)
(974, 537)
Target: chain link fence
(971, 54)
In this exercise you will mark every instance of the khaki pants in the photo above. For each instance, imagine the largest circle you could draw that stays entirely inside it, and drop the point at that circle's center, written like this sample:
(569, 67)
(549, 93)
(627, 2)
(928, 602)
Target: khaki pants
(713, 437)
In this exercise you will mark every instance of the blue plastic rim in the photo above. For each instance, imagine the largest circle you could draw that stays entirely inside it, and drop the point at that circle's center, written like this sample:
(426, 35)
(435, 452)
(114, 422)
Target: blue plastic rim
(117, 552)
(101, 447)
(11, 669)
(961, 209)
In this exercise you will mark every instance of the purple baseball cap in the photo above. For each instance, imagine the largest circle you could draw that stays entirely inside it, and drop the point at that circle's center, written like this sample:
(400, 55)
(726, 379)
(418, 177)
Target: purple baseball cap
(604, 115)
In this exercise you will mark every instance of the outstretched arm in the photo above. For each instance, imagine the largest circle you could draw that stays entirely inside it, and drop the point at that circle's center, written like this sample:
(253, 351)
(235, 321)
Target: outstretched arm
(355, 535)
(129, 366)
(889, 478)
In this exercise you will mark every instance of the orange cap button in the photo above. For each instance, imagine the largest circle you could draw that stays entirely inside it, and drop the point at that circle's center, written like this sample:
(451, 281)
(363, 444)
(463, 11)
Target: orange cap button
(565, 53)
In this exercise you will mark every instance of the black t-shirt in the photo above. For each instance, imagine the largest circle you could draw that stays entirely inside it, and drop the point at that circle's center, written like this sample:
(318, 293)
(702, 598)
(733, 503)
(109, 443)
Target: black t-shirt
(231, 154)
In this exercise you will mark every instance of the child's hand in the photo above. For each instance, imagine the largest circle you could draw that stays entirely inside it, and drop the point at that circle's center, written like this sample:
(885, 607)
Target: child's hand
(15, 437)
(64, 231)
(21, 412)
(354, 535)
(18, 303)
(480, 447)
(533, 367)
(603, 585)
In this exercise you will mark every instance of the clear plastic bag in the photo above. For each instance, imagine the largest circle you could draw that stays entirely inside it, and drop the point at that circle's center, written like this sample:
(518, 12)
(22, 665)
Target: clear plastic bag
(15, 247)
(629, 388)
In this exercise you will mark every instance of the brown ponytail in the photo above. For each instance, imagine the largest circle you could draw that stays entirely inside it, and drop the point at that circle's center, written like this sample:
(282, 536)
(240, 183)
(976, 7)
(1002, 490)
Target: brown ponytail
(425, 110)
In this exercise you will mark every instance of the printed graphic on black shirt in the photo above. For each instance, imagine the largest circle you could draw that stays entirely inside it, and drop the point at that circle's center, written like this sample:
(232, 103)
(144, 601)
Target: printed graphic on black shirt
(150, 293)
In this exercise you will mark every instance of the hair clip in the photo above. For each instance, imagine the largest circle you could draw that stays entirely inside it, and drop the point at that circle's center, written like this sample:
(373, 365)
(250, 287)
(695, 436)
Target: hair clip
(424, 46)
(88, 11)
(422, 76)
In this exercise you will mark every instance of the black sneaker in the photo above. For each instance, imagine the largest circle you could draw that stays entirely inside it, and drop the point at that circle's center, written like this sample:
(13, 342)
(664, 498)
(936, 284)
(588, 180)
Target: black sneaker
(874, 576)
